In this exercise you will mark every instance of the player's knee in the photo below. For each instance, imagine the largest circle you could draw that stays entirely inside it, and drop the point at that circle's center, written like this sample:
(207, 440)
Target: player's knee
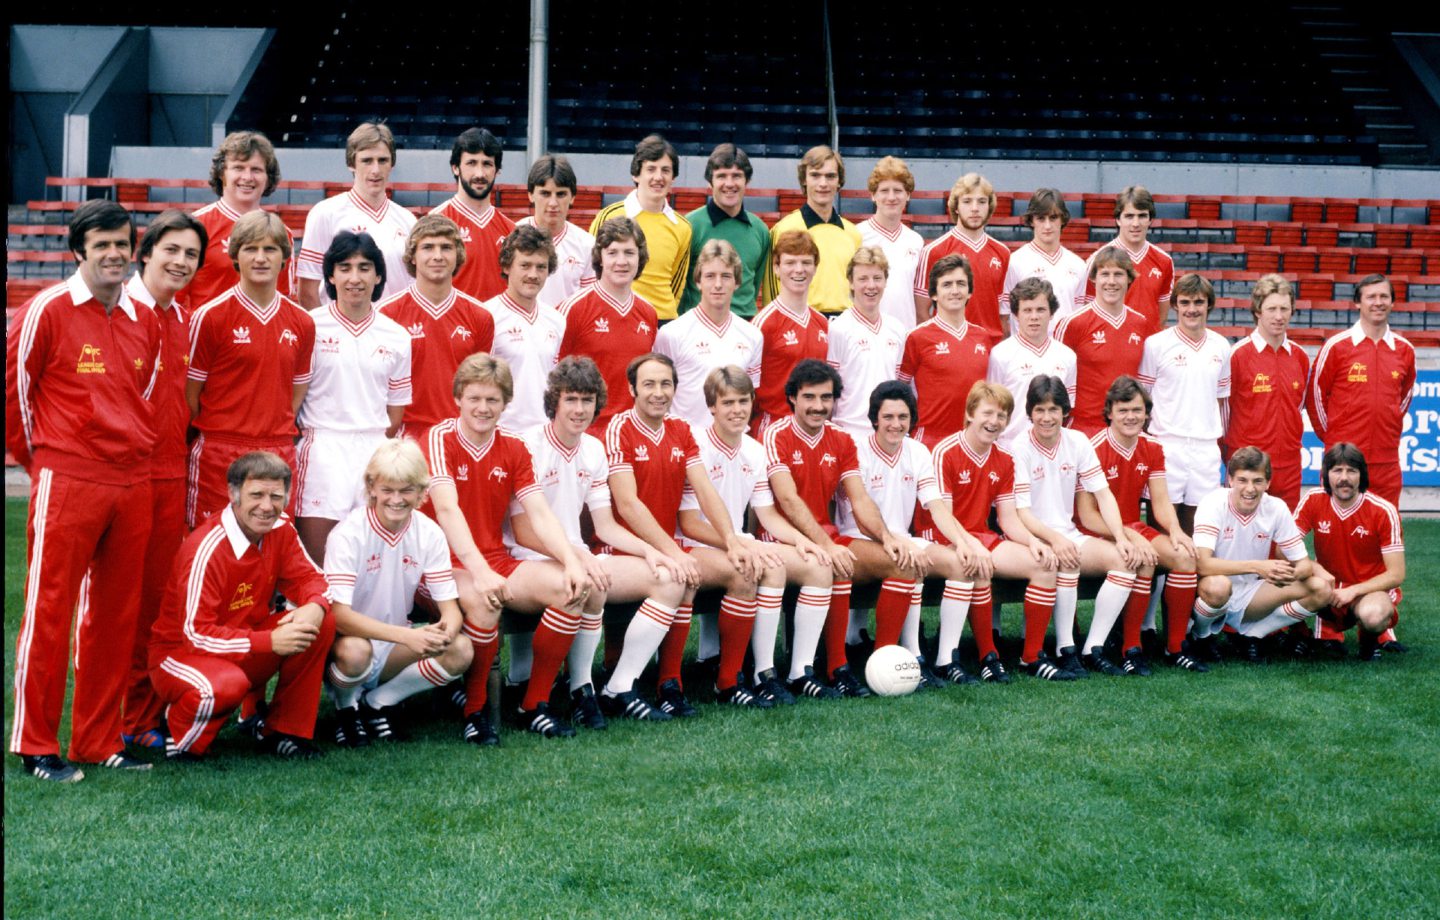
(1319, 592)
(456, 659)
(351, 655)
(1214, 590)
(773, 577)
(228, 689)
(669, 592)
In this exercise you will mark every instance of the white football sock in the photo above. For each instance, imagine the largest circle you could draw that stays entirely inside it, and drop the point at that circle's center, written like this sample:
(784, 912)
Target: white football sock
(346, 689)
(1109, 604)
(910, 631)
(810, 612)
(581, 660)
(954, 608)
(642, 640)
(1067, 595)
(1205, 619)
(1281, 617)
(414, 677)
(767, 624)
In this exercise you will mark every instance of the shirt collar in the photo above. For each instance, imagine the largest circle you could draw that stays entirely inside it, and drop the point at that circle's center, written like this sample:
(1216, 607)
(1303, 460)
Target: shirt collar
(1357, 335)
(1260, 344)
(717, 214)
(632, 207)
(138, 292)
(808, 214)
(239, 543)
(80, 292)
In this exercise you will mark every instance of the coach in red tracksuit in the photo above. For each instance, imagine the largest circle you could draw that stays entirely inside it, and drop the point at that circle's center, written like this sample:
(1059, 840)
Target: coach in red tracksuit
(217, 638)
(80, 363)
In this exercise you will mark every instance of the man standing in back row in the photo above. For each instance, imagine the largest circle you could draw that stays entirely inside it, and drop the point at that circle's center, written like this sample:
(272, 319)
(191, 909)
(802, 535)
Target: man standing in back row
(243, 171)
(822, 176)
(971, 205)
(475, 162)
(723, 217)
(667, 234)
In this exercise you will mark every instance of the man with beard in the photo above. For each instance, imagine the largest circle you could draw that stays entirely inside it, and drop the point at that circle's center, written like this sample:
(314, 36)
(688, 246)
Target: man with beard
(475, 162)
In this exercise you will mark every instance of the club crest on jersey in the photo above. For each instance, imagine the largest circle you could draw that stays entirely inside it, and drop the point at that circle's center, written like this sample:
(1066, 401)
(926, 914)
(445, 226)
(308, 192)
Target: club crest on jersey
(1323, 527)
(942, 348)
(602, 325)
(289, 338)
(995, 264)
(242, 335)
(1155, 273)
(329, 345)
(497, 473)
(980, 348)
(1097, 337)
(1066, 469)
(642, 453)
(1360, 531)
(417, 331)
(242, 597)
(790, 338)
(1262, 535)
(1141, 468)
(824, 336)
(381, 351)
(89, 362)
(372, 563)
(642, 327)
(410, 562)
(677, 455)
(465, 333)
(994, 477)
(828, 459)
(1135, 338)
(1357, 373)
(462, 472)
(1263, 383)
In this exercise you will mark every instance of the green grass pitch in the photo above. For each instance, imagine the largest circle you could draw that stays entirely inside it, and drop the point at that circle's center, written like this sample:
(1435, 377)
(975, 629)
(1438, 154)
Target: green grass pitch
(1293, 790)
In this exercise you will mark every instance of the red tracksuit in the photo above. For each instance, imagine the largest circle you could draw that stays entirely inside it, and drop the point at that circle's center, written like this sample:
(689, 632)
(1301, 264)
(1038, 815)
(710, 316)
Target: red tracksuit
(77, 419)
(1359, 391)
(212, 640)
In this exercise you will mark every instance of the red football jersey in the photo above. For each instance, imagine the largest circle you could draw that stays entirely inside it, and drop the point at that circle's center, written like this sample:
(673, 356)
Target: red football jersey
(658, 459)
(1105, 348)
(818, 463)
(441, 336)
(613, 333)
(1351, 543)
(1128, 473)
(943, 363)
(973, 483)
(787, 342)
(989, 260)
(218, 274)
(1149, 293)
(1360, 390)
(76, 384)
(249, 358)
(486, 479)
(480, 275)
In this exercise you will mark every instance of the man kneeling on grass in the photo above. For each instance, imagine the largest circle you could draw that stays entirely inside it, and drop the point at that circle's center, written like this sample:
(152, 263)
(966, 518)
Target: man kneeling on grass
(375, 561)
(217, 637)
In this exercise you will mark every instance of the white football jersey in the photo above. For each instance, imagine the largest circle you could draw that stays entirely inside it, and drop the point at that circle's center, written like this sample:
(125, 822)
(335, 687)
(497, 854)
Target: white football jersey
(530, 343)
(738, 474)
(1014, 362)
(698, 346)
(1235, 537)
(574, 268)
(389, 227)
(1186, 379)
(1046, 480)
(866, 355)
(572, 480)
(902, 250)
(376, 572)
(356, 371)
(894, 482)
(1064, 270)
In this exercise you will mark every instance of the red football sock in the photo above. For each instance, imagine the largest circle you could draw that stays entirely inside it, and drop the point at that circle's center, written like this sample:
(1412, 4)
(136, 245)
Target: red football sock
(1039, 607)
(549, 647)
(1179, 601)
(1133, 616)
(737, 620)
(487, 645)
(982, 620)
(672, 648)
(835, 623)
(891, 610)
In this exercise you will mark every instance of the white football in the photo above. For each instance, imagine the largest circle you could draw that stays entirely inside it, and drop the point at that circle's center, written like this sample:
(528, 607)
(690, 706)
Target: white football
(892, 671)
